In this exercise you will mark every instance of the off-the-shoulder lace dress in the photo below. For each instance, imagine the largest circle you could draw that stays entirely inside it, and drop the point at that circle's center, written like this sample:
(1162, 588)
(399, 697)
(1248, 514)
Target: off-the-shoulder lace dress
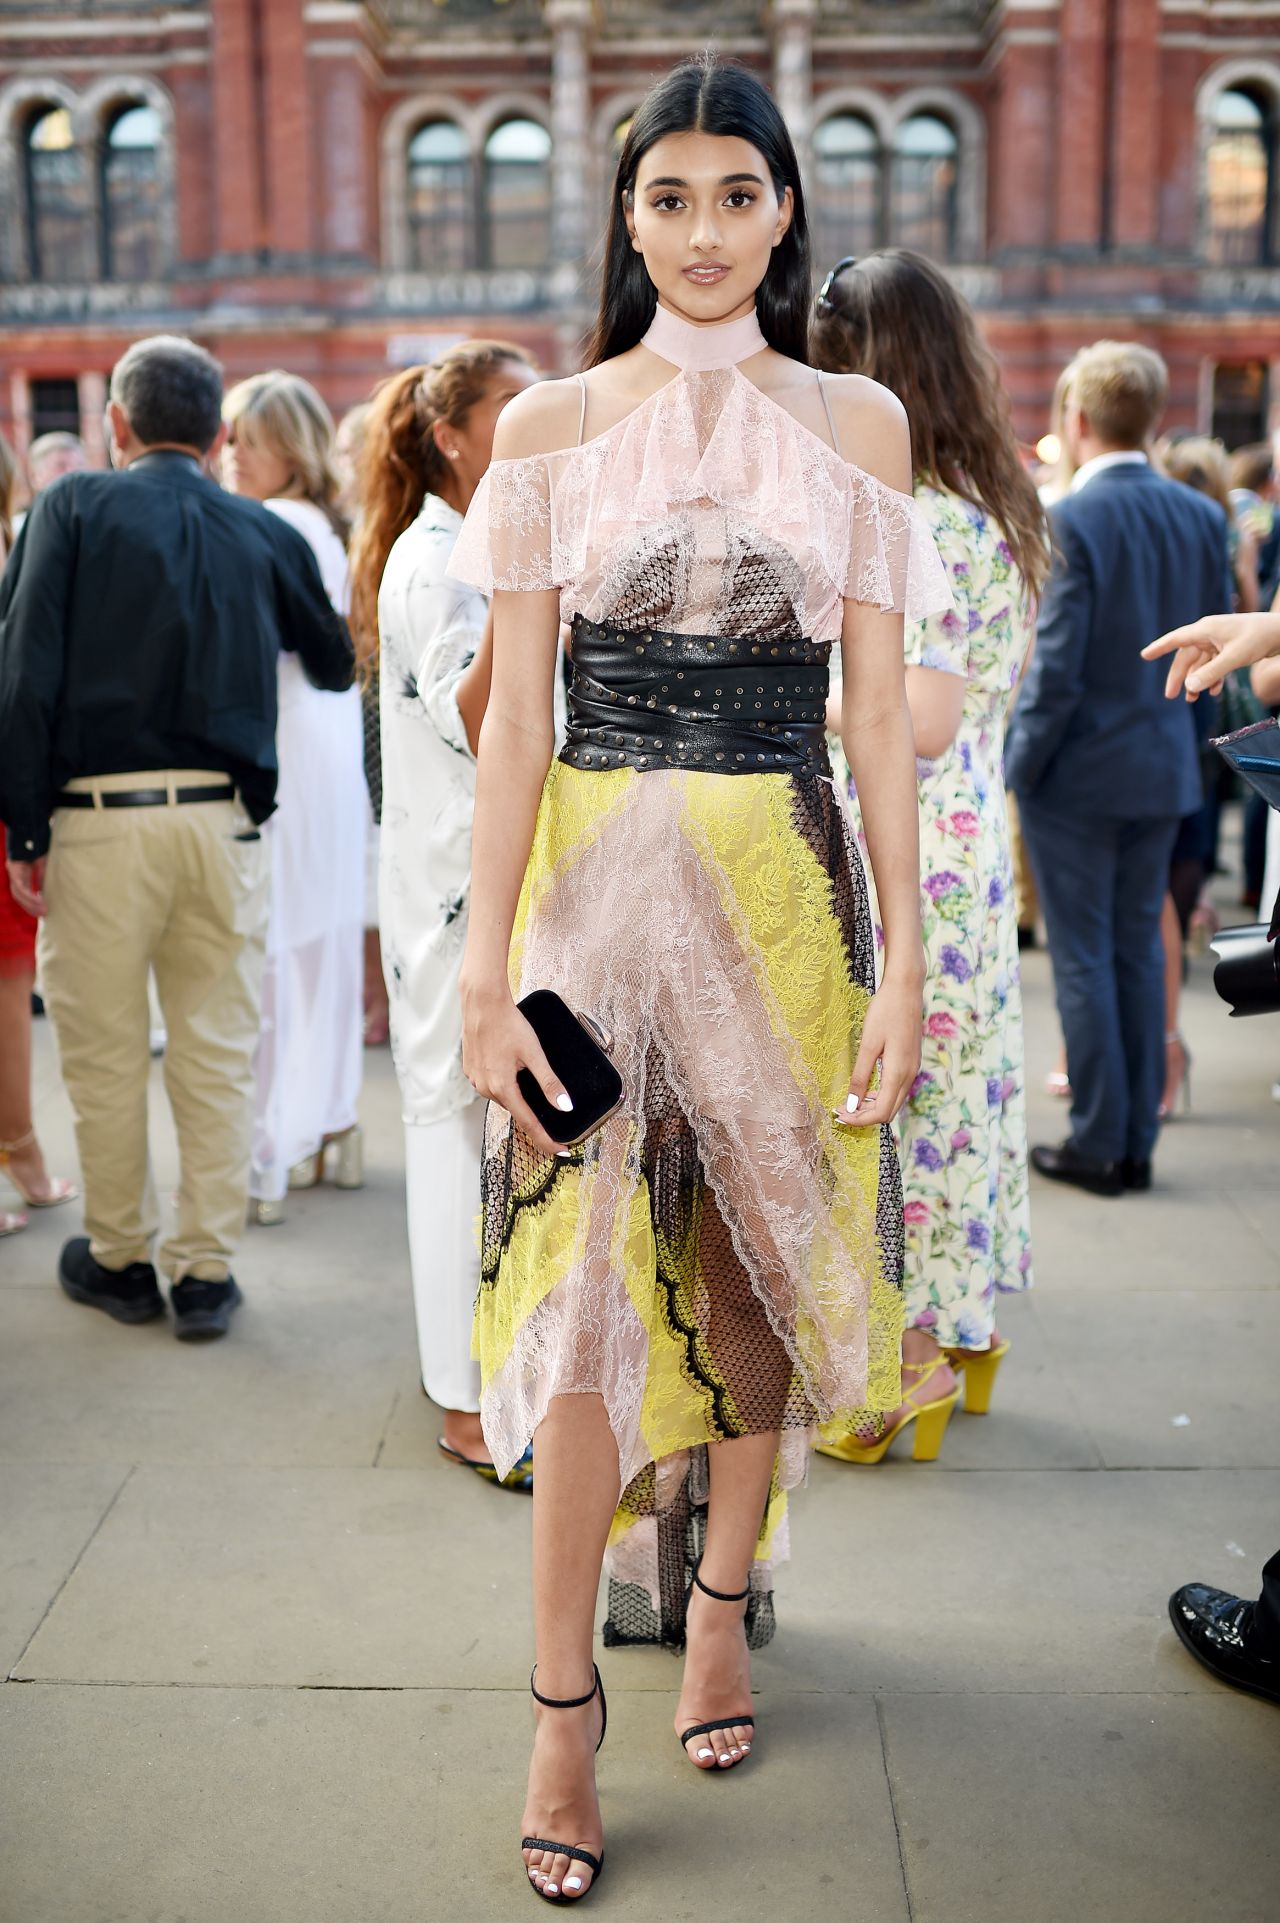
(723, 1258)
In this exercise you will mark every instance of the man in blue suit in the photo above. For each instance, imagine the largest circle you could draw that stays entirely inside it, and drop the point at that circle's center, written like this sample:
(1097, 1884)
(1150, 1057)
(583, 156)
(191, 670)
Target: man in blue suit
(1103, 766)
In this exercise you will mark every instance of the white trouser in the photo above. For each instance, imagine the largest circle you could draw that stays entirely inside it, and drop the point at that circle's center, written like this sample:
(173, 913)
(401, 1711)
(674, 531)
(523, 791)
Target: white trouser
(442, 1173)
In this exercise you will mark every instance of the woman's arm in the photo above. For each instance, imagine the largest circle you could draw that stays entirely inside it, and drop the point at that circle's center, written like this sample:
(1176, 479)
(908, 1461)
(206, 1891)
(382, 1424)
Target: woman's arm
(516, 741)
(879, 743)
(1246, 573)
(472, 691)
(936, 701)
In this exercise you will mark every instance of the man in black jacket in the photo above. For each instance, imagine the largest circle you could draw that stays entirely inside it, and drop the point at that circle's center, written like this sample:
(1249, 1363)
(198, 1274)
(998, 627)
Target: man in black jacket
(141, 615)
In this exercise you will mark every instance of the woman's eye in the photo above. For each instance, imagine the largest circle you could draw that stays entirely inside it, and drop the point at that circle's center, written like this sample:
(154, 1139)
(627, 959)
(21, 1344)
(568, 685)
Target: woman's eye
(667, 201)
(741, 198)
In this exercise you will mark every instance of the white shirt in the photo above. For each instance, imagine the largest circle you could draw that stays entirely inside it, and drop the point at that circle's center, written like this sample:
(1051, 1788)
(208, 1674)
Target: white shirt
(1122, 457)
(430, 629)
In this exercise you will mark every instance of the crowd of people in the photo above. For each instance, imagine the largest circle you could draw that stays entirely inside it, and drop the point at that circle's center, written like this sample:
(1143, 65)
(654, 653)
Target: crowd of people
(510, 683)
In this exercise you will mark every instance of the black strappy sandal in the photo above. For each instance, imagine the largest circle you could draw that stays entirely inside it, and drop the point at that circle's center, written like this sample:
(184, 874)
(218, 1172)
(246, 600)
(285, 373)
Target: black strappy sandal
(578, 1855)
(725, 1722)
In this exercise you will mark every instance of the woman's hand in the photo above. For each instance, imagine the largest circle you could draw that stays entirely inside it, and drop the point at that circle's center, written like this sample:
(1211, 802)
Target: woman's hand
(891, 1036)
(497, 1042)
(1205, 652)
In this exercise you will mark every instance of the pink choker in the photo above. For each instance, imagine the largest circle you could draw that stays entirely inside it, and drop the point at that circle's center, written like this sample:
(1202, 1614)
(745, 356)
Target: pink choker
(700, 349)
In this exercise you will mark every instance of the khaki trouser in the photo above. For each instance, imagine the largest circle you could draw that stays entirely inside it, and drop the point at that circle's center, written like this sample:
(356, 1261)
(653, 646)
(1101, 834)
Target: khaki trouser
(1026, 900)
(182, 890)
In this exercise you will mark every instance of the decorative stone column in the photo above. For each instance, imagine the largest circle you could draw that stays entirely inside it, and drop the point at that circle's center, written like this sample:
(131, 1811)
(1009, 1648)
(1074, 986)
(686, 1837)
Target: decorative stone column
(570, 24)
(792, 23)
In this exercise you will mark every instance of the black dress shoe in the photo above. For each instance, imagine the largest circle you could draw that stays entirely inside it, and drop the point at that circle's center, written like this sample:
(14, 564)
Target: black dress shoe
(1218, 1630)
(129, 1295)
(1135, 1175)
(1065, 1164)
(202, 1310)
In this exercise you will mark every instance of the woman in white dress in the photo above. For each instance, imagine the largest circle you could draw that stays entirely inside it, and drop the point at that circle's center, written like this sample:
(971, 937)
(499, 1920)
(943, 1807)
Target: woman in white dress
(428, 440)
(280, 452)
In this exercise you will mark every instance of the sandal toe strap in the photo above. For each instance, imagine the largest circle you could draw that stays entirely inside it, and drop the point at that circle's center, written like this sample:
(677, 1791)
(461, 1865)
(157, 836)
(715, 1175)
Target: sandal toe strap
(562, 1849)
(725, 1722)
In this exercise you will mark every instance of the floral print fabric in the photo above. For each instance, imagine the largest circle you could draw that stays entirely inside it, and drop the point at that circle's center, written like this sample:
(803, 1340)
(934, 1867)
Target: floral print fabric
(963, 1135)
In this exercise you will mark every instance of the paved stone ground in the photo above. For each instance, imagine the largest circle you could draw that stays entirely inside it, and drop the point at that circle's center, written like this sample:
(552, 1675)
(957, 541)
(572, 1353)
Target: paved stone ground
(266, 1653)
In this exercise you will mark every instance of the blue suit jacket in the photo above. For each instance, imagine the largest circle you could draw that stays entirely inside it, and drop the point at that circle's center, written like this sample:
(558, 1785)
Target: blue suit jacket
(1092, 732)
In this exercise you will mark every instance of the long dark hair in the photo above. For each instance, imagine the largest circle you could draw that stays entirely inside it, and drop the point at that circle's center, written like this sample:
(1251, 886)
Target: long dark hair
(896, 317)
(706, 97)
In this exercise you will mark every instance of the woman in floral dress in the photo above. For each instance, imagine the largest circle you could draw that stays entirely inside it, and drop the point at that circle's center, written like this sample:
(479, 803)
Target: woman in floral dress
(963, 1133)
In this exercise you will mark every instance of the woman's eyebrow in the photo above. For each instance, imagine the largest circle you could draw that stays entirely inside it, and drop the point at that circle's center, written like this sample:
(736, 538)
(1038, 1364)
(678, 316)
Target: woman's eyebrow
(727, 180)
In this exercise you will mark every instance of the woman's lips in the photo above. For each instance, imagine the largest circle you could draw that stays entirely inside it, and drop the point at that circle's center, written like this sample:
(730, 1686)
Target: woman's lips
(705, 276)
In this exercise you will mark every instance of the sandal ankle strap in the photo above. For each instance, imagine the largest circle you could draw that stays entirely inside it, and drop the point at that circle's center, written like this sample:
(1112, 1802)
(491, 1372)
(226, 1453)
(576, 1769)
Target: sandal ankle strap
(718, 1595)
(19, 1142)
(564, 1702)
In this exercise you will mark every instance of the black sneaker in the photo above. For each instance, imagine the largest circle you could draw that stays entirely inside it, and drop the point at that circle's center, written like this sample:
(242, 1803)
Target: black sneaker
(202, 1310)
(127, 1295)
(1135, 1175)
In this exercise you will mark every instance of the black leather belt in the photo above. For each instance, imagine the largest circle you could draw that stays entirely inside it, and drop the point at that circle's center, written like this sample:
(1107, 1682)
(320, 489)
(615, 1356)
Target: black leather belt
(721, 704)
(144, 797)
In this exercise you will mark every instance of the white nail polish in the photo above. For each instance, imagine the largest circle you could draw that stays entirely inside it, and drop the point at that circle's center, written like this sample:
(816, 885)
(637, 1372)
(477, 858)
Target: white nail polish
(573, 1882)
(852, 1104)
(704, 1753)
(553, 1889)
(564, 1102)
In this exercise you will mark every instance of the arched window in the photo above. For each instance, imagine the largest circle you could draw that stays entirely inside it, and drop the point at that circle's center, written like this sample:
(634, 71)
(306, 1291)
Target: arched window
(517, 195)
(131, 246)
(441, 199)
(848, 176)
(1241, 188)
(925, 153)
(57, 215)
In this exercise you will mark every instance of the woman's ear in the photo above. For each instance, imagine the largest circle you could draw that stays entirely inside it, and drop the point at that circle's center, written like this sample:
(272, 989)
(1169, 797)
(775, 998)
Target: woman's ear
(442, 437)
(629, 215)
(786, 208)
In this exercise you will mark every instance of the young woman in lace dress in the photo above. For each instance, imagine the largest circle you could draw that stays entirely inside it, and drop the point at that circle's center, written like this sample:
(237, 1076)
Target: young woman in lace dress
(673, 1306)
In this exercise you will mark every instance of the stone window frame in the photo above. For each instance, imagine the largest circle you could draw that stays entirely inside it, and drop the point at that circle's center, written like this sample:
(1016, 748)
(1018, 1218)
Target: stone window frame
(90, 111)
(1243, 74)
(477, 120)
(886, 113)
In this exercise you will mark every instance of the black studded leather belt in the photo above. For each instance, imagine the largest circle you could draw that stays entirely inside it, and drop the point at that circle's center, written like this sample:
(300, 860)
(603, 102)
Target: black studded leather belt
(722, 704)
(143, 797)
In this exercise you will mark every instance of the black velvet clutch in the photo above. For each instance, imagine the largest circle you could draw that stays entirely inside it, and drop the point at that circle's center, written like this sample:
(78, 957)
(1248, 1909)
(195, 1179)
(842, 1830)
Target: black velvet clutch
(578, 1051)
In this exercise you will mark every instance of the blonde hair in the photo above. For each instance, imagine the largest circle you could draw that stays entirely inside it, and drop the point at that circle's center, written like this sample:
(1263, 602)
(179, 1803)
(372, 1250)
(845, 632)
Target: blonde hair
(1202, 464)
(1121, 388)
(286, 412)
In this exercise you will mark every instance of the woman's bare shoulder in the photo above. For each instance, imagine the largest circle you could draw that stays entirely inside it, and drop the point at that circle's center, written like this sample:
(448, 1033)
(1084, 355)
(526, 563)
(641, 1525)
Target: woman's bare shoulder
(874, 433)
(539, 420)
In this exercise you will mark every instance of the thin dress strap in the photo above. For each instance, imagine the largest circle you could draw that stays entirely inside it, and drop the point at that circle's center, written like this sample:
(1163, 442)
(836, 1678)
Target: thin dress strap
(835, 437)
(582, 411)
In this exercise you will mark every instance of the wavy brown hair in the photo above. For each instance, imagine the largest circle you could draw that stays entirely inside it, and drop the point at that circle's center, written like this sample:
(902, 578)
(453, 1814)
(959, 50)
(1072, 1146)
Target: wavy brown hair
(896, 317)
(8, 488)
(400, 463)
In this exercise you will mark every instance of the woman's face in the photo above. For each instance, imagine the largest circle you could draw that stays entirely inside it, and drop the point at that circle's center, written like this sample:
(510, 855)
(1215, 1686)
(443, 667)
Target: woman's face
(468, 446)
(250, 465)
(706, 218)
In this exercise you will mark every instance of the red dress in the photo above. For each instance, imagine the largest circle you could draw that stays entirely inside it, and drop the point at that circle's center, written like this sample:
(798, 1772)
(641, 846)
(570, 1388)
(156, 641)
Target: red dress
(17, 929)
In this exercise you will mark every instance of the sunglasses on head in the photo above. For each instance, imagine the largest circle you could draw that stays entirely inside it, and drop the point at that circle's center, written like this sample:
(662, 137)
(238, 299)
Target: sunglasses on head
(823, 305)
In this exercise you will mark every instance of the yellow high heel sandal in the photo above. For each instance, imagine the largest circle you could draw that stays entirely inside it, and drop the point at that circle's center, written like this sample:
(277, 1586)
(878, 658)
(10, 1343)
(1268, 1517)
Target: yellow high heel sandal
(980, 1367)
(930, 1418)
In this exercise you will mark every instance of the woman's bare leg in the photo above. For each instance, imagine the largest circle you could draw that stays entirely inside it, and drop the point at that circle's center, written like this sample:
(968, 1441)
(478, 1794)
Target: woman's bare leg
(15, 1081)
(575, 1493)
(717, 1666)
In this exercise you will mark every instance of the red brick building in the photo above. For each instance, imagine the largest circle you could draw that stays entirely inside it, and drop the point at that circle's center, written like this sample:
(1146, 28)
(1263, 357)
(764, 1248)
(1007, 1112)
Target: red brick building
(341, 186)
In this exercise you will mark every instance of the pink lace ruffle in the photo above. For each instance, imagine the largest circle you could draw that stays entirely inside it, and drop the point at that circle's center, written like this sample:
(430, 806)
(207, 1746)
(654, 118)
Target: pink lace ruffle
(713, 468)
